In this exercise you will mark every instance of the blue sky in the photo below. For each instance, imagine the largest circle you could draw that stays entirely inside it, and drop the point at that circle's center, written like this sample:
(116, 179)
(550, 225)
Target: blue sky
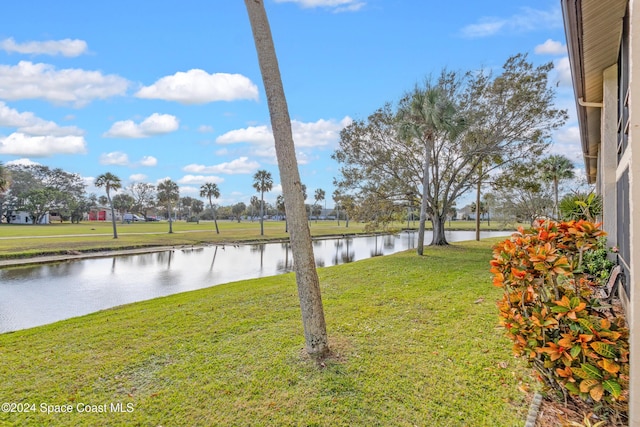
(167, 89)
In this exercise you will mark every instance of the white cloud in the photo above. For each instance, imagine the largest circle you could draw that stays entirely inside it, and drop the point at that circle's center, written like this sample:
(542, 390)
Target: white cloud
(221, 152)
(241, 165)
(28, 123)
(205, 129)
(89, 181)
(186, 190)
(562, 72)
(335, 5)
(551, 47)
(568, 135)
(566, 141)
(351, 7)
(200, 179)
(22, 162)
(306, 135)
(268, 153)
(45, 128)
(155, 124)
(42, 81)
(159, 180)
(20, 144)
(114, 158)
(302, 158)
(252, 134)
(486, 27)
(320, 133)
(122, 159)
(137, 177)
(65, 47)
(528, 19)
(148, 161)
(199, 87)
(12, 118)
(311, 134)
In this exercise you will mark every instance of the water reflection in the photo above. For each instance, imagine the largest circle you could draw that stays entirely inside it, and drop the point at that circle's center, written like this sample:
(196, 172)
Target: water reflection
(389, 242)
(213, 260)
(259, 249)
(286, 265)
(344, 254)
(31, 296)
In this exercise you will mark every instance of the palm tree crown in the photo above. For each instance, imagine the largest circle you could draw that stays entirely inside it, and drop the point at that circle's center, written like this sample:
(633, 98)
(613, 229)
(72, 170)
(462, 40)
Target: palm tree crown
(209, 190)
(168, 191)
(109, 181)
(262, 181)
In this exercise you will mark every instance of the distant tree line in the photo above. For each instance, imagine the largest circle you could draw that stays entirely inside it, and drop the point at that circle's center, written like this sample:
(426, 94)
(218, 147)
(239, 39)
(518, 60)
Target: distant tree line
(531, 189)
(38, 190)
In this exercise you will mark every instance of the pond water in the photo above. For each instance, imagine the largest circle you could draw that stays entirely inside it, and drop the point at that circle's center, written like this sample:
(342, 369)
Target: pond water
(32, 296)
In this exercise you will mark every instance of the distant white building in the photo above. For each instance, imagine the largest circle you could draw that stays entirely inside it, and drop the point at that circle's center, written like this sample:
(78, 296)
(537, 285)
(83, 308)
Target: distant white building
(468, 213)
(22, 217)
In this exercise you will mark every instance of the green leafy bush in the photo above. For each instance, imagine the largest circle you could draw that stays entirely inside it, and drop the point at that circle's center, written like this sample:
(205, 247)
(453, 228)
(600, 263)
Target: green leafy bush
(577, 206)
(551, 311)
(596, 262)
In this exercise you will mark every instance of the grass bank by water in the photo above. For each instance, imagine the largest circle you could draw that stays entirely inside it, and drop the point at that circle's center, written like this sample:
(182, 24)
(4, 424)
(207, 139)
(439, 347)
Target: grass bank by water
(19, 241)
(415, 343)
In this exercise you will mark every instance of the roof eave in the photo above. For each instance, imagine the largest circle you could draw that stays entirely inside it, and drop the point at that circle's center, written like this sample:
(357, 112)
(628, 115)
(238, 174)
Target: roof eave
(572, 17)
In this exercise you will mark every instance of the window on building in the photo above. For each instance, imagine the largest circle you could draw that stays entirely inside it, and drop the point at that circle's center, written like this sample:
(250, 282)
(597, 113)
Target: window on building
(623, 89)
(624, 221)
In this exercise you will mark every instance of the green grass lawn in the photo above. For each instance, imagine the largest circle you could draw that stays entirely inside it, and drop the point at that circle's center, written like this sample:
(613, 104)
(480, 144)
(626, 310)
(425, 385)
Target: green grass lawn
(415, 342)
(30, 240)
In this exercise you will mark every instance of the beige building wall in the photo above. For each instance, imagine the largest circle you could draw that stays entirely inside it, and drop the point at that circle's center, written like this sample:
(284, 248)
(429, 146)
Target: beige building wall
(607, 156)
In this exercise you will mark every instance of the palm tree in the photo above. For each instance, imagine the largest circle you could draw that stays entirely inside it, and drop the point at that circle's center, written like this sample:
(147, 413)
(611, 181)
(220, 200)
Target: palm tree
(262, 182)
(110, 182)
(210, 190)
(556, 168)
(337, 199)
(315, 329)
(428, 115)
(168, 193)
(318, 197)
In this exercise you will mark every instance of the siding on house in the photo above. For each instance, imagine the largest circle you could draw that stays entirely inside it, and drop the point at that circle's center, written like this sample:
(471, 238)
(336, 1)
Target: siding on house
(603, 40)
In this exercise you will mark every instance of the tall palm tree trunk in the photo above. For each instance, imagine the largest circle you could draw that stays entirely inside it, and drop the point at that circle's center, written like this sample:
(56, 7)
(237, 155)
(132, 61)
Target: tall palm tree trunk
(113, 217)
(262, 213)
(215, 216)
(215, 221)
(424, 203)
(303, 259)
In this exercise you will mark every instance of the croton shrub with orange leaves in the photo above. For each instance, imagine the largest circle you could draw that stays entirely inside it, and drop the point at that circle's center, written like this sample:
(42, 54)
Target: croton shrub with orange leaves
(551, 311)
